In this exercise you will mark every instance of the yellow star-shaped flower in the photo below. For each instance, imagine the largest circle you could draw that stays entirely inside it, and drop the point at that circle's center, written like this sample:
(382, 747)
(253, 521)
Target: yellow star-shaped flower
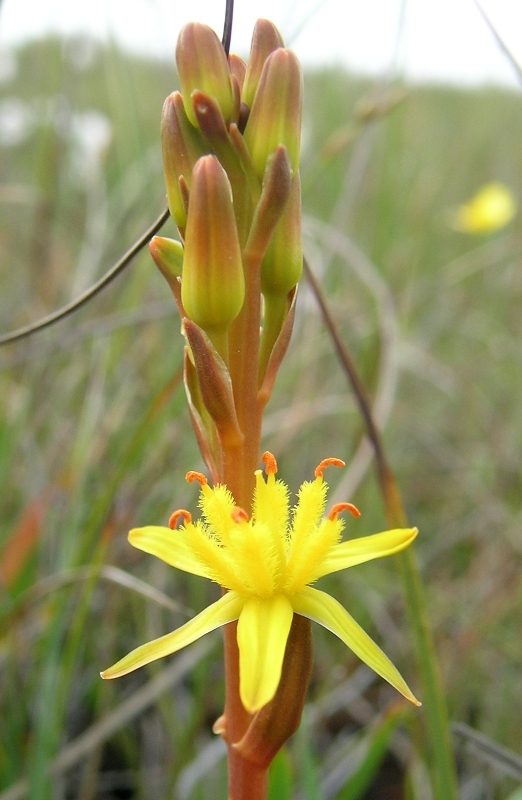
(267, 563)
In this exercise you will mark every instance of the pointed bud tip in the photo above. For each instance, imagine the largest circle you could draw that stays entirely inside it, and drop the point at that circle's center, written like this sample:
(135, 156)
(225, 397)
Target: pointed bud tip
(202, 64)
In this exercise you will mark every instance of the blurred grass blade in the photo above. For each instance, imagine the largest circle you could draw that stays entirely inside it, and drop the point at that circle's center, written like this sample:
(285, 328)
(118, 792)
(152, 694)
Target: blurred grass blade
(376, 744)
(279, 777)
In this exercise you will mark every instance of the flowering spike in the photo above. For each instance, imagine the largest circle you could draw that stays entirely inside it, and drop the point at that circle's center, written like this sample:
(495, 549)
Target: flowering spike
(192, 476)
(202, 64)
(338, 507)
(176, 515)
(327, 462)
(270, 463)
(275, 117)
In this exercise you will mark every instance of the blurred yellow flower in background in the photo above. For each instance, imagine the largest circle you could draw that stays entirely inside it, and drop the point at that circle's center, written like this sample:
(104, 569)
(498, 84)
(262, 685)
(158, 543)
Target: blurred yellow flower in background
(490, 209)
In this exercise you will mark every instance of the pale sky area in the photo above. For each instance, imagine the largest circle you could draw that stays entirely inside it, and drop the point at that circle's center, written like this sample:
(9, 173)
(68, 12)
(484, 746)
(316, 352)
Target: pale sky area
(442, 40)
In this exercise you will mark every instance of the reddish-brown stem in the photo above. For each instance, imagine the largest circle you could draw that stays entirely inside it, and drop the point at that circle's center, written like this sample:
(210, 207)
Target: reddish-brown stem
(239, 464)
(245, 780)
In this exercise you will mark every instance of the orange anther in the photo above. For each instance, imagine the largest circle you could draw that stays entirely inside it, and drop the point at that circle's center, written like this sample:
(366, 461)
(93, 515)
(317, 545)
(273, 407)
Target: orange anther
(195, 476)
(270, 463)
(338, 507)
(176, 515)
(326, 462)
(239, 514)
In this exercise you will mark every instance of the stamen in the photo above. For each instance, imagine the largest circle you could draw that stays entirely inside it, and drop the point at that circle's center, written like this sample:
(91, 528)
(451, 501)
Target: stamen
(239, 514)
(270, 463)
(338, 507)
(326, 462)
(176, 515)
(192, 476)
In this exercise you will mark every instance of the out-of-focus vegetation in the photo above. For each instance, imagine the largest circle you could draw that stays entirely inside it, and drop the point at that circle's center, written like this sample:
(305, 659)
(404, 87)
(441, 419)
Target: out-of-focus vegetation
(95, 435)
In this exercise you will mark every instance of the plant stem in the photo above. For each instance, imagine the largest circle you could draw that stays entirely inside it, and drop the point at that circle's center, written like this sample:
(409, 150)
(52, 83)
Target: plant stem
(245, 780)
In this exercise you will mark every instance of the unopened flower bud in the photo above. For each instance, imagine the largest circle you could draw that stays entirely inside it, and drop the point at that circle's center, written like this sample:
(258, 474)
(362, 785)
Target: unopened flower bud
(202, 64)
(265, 39)
(212, 287)
(181, 146)
(276, 112)
(168, 257)
(237, 68)
(283, 262)
(280, 272)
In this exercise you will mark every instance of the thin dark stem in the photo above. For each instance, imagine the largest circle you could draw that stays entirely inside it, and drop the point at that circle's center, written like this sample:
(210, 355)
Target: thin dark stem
(436, 715)
(104, 281)
(227, 26)
(360, 392)
(500, 41)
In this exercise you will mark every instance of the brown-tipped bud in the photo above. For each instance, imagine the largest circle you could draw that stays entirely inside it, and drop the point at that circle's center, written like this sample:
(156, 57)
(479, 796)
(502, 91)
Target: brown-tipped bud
(271, 205)
(213, 287)
(202, 64)
(276, 113)
(202, 423)
(181, 146)
(265, 39)
(237, 68)
(283, 261)
(215, 385)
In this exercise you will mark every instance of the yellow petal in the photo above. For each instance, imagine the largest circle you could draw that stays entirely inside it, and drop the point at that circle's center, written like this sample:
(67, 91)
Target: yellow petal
(262, 632)
(167, 545)
(357, 551)
(307, 515)
(270, 504)
(226, 609)
(216, 506)
(323, 609)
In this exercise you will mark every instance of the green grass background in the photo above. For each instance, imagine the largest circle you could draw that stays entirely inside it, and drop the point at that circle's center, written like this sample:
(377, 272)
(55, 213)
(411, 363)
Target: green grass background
(95, 437)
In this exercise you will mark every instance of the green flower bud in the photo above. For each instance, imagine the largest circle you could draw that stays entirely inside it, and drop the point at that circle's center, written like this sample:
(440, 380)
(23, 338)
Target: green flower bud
(276, 112)
(181, 146)
(202, 64)
(280, 272)
(265, 39)
(283, 262)
(168, 257)
(212, 287)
